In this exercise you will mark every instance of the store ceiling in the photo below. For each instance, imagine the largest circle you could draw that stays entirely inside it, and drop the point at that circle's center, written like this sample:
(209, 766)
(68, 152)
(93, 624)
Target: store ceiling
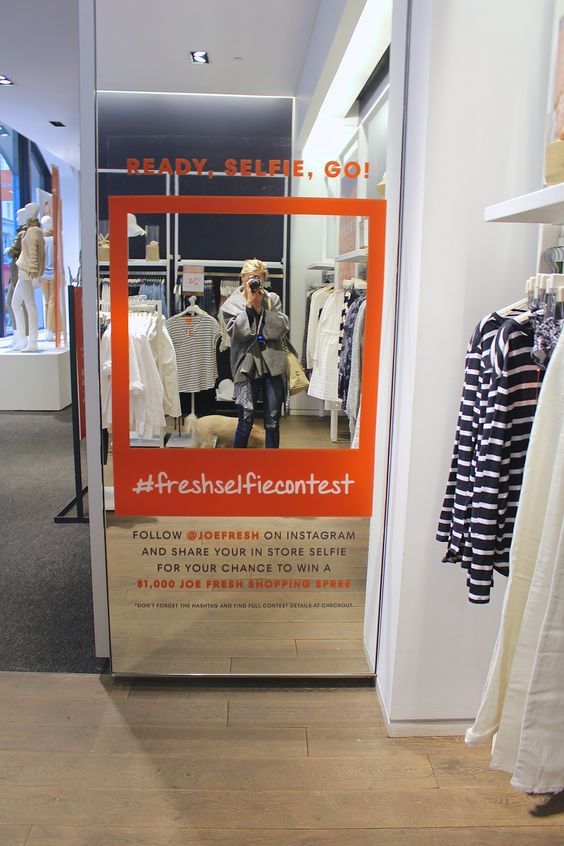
(40, 54)
(144, 46)
(271, 37)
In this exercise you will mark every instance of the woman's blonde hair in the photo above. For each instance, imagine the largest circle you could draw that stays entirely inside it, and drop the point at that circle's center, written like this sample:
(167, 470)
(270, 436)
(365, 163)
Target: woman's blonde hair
(254, 266)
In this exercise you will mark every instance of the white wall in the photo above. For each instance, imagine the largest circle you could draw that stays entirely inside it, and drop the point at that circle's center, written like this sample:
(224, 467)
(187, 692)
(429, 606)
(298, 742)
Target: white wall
(475, 122)
(334, 25)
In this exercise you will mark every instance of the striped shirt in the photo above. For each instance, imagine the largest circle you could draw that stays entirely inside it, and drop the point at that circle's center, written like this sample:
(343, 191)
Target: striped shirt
(195, 340)
(454, 521)
(496, 413)
(512, 403)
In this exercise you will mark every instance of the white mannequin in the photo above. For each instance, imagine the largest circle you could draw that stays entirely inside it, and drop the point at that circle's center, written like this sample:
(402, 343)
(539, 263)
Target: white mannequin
(48, 278)
(31, 265)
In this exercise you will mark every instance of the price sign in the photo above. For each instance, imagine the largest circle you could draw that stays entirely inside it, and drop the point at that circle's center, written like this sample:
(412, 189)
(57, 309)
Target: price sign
(193, 279)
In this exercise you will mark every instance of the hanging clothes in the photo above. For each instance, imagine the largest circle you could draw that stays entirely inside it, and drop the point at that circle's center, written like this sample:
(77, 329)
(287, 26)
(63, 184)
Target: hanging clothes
(195, 339)
(154, 288)
(512, 403)
(153, 379)
(324, 376)
(345, 356)
(499, 400)
(146, 413)
(165, 359)
(355, 381)
(522, 700)
(208, 300)
(309, 295)
(317, 303)
(456, 511)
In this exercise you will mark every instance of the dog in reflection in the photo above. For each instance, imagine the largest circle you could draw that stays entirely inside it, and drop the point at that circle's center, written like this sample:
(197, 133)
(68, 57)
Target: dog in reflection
(218, 431)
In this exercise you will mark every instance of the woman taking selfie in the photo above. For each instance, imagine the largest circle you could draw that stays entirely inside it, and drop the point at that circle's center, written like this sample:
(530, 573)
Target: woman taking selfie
(256, 326)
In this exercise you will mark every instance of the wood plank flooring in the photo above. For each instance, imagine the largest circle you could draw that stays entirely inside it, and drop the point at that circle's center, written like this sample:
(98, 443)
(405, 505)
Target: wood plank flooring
(88, 761)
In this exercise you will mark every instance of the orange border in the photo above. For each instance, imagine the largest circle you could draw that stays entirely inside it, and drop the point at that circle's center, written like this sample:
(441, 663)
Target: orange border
(134, 463)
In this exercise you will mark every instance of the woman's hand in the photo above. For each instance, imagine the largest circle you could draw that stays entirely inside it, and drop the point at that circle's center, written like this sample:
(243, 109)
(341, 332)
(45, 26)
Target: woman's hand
(254, 299)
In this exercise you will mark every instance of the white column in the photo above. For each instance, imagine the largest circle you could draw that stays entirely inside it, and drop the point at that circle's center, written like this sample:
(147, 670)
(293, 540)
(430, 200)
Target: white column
(87, 44)
(477, 83)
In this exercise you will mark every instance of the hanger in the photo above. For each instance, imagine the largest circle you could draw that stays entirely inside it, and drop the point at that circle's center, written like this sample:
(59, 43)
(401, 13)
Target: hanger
(192, 308)
(520, 305)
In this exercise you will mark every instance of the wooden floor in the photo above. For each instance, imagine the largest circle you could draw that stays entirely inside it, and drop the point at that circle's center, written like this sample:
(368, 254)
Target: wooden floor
(86, 761)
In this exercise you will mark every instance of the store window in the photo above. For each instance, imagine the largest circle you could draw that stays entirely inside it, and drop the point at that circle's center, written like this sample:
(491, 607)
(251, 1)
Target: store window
(9, 193)
(24, 177)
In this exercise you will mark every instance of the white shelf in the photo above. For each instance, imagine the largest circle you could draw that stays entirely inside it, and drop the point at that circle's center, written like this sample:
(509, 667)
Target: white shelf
(544, 206)
(321, 265)
(224, 263)
(355, 255)
(137, 263)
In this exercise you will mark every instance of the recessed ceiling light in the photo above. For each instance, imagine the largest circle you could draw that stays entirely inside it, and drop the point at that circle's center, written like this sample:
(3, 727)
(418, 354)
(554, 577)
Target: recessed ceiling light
(56, 123)
(237, 58)
(200, 57)
(5, 81)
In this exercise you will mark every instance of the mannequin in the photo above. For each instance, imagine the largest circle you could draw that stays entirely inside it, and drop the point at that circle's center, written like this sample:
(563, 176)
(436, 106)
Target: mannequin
(31, 264)
(14, 253)
(48, 278)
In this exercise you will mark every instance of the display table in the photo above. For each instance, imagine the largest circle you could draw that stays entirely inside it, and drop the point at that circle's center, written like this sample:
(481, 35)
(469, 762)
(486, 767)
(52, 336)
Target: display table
(34, 381)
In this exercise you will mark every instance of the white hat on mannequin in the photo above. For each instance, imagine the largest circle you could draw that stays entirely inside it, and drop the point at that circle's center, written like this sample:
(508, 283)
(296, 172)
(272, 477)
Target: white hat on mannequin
(21, 217)
(31, 210)
(133, 228)
(47, 222)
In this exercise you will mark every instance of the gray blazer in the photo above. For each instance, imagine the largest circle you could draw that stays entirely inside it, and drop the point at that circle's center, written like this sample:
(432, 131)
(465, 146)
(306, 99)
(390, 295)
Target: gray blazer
(244, 345)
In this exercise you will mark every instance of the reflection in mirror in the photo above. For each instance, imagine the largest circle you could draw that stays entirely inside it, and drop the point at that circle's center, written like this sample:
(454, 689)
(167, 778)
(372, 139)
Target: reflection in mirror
(248, 354)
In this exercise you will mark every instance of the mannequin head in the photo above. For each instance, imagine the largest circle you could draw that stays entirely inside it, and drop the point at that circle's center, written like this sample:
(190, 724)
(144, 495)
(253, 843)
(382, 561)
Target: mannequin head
(47, 224)
(31, 211)
(21, 217)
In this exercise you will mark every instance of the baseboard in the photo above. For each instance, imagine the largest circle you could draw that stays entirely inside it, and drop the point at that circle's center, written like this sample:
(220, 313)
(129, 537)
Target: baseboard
(369, 658)
(420, 728)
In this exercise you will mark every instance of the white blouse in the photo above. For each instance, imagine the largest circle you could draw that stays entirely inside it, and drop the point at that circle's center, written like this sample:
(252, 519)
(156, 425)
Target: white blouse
(325, 375)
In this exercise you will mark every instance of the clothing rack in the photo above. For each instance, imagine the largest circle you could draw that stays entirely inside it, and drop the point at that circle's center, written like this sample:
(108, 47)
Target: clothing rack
(136, 271)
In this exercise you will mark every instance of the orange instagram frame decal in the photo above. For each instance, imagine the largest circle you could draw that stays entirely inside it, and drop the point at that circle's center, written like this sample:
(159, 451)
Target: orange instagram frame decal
(240, 482)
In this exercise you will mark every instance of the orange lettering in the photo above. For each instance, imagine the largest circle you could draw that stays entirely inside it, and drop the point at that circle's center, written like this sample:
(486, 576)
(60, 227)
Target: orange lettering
(286, 169)
(182, 167)
(133, 166)
(332, 169)
(165, 167)
(200, 165)
(352, 170)
(298, 167)
(148, 165)
(274, 166)
(231, 167)
(258, 168)
(246, 167)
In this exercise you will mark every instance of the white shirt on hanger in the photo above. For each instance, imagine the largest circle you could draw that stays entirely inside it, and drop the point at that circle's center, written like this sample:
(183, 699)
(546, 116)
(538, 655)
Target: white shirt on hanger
(325, 376)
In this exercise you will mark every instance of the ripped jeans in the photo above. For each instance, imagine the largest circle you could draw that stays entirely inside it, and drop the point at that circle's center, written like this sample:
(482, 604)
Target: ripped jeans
(272, 390)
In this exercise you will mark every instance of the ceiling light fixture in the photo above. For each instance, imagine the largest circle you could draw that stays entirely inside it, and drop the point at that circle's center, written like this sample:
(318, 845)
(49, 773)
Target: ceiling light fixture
(5, 81)
(237, 58)
(200, 57)
(56, 123)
